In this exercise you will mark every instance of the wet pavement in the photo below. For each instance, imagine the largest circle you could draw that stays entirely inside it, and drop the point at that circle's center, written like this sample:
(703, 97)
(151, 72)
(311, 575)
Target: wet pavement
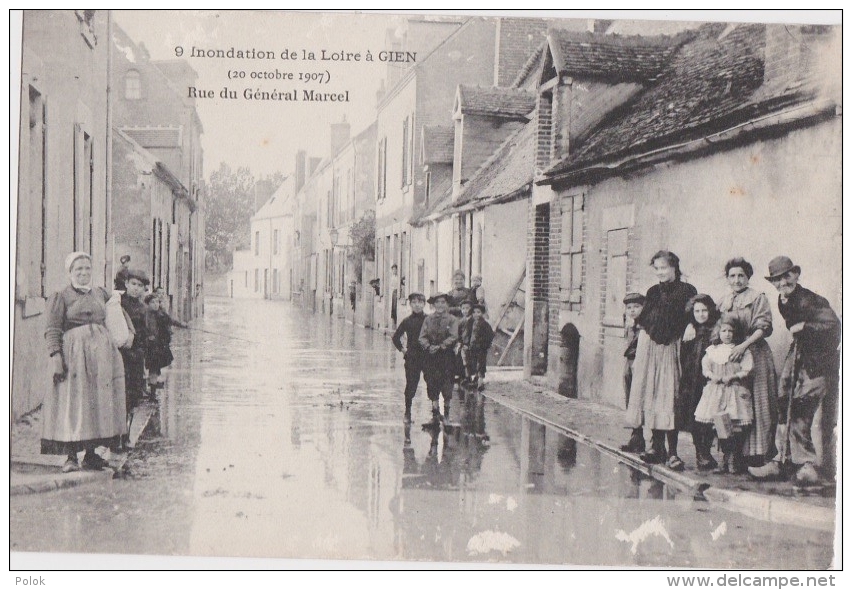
(283, 437)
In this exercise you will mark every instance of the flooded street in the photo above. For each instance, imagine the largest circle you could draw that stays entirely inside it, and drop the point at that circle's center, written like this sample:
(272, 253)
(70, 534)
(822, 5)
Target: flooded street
(285, 439)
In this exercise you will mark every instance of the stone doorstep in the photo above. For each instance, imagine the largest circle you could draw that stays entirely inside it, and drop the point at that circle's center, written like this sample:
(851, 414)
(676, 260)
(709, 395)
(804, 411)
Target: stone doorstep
(760, 506)
(35, 483)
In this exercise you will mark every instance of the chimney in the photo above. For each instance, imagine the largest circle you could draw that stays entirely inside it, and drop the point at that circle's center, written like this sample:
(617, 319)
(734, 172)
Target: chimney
(299, 176)
(516, 40)
(802, 54)
(339, 136)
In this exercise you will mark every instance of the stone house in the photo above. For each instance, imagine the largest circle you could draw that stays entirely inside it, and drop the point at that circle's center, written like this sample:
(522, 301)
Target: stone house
(722, 140)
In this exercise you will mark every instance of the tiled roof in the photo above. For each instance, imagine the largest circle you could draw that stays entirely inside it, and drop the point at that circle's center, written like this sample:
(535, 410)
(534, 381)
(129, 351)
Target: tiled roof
(155, 137)
(439, 202)
(707, 81)
(622, 58)
(438, 144)
(507, 171)
(506, 102)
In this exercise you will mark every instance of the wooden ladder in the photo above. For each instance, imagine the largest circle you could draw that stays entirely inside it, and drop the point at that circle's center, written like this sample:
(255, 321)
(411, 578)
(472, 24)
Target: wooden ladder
(500, 325)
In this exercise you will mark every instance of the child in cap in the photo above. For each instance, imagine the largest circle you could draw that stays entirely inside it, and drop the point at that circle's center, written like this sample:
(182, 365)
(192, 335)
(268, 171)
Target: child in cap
(158, 353)
(438, 338)
(411, 349)
(633, 304)
(462, 364)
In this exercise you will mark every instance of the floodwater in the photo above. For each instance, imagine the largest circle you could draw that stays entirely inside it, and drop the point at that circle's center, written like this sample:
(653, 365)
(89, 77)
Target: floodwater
(280, 434)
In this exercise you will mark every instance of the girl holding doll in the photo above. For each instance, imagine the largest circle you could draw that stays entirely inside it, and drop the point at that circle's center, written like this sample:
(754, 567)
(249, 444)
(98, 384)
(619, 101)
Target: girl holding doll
(726, 401)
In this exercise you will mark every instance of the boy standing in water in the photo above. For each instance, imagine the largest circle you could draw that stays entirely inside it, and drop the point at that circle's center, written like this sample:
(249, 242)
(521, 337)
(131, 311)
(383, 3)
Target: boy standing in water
(438, 337)
(412, 351)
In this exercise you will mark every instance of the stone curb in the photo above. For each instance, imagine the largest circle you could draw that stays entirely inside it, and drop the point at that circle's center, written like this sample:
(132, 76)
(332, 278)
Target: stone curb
(759, 506)
(57, 481)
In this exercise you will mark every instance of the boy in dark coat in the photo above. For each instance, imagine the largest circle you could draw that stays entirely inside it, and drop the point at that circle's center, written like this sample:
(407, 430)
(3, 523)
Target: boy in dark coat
(412, 351)
(463, 371)
(134, 356)
(438, 337)
(481, 337)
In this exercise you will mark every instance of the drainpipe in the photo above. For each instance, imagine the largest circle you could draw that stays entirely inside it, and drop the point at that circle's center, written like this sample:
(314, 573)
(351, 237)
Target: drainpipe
(108, 252)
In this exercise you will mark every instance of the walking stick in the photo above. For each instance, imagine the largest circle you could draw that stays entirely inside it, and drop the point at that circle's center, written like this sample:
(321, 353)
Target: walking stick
(785, 452)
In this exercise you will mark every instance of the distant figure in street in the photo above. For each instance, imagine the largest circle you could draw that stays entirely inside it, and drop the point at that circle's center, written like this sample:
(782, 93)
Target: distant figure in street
(726, 401)
(158, 352)
(481, 337)
(395, 288)
(809, 379)
(656, 370)
(412, 351)
(121, 276)
(458, 294)
(438, 338)
(134, 357)
(86, 407)
(704, 316)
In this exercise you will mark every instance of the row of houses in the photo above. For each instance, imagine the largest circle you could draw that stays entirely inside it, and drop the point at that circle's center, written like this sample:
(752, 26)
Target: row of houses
(110, 162)
(554, 158)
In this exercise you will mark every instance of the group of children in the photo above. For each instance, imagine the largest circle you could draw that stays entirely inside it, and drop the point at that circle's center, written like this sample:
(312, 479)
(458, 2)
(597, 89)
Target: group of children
(151, 347)
(449, 347)
(712, 398)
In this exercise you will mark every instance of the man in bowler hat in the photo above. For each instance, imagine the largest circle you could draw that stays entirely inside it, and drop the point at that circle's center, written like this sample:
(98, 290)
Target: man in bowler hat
(809, 379)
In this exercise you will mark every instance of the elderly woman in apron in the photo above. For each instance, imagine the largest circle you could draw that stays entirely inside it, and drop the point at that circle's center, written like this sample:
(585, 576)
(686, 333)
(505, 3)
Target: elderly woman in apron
(86, 407)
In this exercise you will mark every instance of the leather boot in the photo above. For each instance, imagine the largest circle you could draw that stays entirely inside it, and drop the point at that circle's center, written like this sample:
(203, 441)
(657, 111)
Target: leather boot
(636, 444)
(725, 467)
(738, 465)
(658, 448)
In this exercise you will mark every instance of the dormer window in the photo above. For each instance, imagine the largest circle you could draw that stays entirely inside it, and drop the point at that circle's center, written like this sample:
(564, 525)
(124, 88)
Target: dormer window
(132, 85)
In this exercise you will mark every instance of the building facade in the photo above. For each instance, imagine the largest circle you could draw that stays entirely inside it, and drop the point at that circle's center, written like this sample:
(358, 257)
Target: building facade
(63, 201)
(704, 159)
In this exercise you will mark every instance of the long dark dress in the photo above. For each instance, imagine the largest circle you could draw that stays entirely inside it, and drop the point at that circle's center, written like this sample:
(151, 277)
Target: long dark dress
(692, 381)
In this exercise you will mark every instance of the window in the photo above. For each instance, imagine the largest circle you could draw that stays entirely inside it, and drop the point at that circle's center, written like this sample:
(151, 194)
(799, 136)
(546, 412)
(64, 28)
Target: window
(246, 279)
(275, 280)
(256, 279)
(428, 186)
(256, 246)
(275, 241)
(37, 169)
(571, 252)
(132, 85)
(83, 190)
(382, 168)
(406, 155)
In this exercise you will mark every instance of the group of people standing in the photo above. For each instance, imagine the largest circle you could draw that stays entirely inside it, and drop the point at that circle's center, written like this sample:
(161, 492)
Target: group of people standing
(706, 368)
(96, 384)
(449, 347)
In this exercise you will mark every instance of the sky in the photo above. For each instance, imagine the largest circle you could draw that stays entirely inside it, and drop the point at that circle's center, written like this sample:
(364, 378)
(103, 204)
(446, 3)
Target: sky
(264, 135)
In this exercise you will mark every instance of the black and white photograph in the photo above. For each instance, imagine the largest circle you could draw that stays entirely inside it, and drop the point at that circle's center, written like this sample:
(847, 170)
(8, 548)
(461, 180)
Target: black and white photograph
(427, 290)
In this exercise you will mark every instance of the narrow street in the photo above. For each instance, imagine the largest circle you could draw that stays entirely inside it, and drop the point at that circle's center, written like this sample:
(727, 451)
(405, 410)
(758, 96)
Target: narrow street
(283, 437)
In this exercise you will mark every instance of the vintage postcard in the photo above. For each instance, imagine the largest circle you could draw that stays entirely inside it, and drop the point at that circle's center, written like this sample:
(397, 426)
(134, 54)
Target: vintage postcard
(427, 289)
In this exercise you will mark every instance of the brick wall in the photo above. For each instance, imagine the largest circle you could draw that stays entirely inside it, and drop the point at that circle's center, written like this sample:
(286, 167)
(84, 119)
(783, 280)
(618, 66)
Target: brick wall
(544, 125)
(554, 274)
(540, 235)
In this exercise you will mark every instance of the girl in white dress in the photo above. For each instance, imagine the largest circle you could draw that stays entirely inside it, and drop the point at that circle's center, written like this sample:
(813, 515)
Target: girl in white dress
(726, 401)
